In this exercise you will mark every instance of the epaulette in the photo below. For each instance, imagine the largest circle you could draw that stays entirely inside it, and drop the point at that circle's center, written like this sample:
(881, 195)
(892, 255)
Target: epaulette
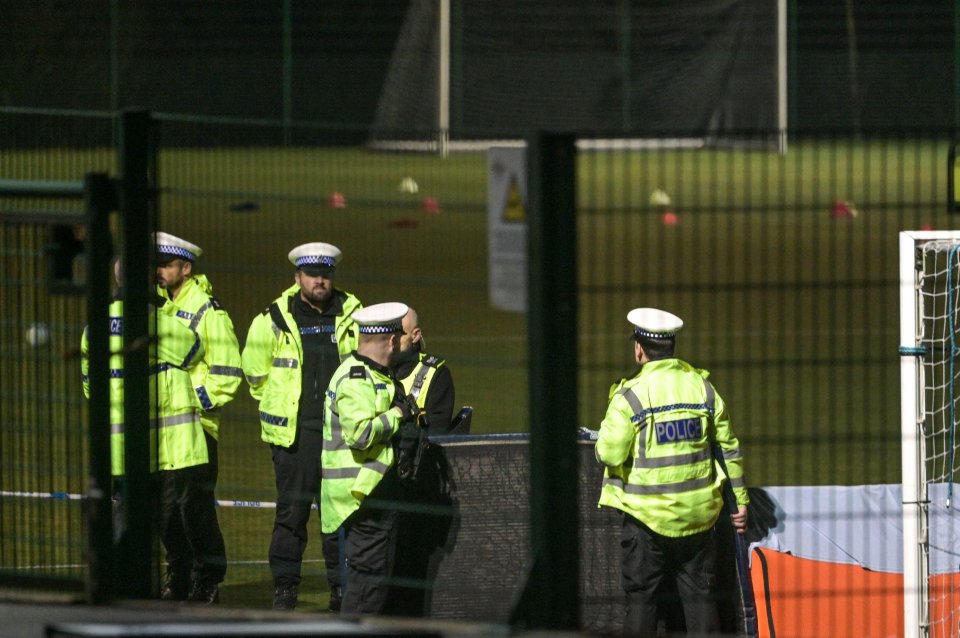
(432, 360)
(358, 372)
(615, 388)
(215, 303)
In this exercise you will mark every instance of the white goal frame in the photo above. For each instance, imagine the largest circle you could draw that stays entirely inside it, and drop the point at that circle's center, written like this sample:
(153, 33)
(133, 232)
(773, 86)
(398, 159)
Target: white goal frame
(916, 550)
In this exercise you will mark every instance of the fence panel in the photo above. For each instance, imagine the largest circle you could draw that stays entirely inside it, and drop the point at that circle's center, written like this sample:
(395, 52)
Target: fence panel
(782, 265)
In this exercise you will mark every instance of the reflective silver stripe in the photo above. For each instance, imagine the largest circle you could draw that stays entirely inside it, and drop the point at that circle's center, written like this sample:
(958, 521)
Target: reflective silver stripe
(375, 466)
(671, 461)
(668, 488)
(385, 434)
(737, 482)
(417, 388)
(199, 315)
(661, 461)
(366, 439)
(227, 371)
(336, 432)
(257, 379)
(341, 472)
(176, 419)
(336, 428)
(116, 428)
(731, 454)
(711, 395)
(285, 363)
(276, 330)
(634, 401)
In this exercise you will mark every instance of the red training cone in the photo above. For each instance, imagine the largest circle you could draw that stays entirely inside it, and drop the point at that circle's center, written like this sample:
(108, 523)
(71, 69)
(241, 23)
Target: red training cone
(337, 200)
(843, 208)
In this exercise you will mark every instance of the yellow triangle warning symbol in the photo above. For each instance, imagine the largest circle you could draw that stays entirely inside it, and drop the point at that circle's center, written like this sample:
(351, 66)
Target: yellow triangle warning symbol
(514, 210)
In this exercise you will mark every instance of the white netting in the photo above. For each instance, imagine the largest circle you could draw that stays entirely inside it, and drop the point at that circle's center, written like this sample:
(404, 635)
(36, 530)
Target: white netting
(940, 303)
(939, 374)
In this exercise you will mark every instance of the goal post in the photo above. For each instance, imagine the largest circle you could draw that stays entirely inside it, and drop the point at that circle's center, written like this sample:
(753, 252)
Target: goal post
(467, 74)
(929, 390)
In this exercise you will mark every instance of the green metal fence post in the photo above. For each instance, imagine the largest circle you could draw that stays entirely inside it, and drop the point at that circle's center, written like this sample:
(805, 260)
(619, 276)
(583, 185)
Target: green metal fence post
(99, 199)
(550, 598)
(137, 188)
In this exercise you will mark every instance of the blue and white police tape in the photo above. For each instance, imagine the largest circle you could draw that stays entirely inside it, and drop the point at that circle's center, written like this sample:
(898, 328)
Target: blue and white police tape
(66, 496)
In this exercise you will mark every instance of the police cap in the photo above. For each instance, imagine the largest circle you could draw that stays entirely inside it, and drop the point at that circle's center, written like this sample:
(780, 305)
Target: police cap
(381, 318)
(316, 258)
(653, 323)
(170, 247)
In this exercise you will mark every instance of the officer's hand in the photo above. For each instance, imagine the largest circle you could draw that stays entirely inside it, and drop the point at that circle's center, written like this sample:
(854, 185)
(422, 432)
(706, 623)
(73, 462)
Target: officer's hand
(739, 520)
(407, 405)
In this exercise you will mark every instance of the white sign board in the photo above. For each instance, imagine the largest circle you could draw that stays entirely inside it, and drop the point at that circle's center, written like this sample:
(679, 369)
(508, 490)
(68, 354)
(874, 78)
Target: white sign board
(507, 227)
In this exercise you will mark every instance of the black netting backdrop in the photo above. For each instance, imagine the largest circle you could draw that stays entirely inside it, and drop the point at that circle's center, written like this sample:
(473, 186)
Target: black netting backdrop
(603, 66)
(479, 569)
(482, 568)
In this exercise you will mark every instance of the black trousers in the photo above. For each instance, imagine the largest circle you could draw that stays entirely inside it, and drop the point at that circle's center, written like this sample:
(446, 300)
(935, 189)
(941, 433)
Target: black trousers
(297, 472)
(189, 528)
(370, 545)
(422, 530)
(652, 562)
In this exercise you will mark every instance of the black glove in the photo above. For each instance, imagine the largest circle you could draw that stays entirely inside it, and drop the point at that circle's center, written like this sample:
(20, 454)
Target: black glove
(408, 406)
(408, 446)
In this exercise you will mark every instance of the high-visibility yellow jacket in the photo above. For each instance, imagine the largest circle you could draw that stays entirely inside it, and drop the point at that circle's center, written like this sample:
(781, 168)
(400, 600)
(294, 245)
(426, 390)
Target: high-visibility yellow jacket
(273, 357)
(174, 412)
(655, 440)
(417, 383)
(358, 424)
(217, 375)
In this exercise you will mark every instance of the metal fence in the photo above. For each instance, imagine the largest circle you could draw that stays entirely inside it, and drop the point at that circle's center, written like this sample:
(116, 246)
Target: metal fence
(783, 266)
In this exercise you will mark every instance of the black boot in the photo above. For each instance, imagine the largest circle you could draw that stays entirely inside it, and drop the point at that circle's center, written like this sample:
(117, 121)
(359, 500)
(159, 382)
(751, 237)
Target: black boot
(285, 597)
(175, 589)
(204, 594)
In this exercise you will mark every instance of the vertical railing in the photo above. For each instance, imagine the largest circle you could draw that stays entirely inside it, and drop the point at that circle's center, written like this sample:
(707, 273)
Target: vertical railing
(99, 199)
(136, 198)
(550, 599)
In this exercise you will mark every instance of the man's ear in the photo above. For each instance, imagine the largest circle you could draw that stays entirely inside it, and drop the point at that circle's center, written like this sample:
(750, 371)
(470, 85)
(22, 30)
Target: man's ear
(187, 268)
(416, 335)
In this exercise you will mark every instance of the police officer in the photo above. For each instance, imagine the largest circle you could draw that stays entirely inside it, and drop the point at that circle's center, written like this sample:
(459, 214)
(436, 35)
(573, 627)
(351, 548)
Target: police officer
(181, 449)
(655, 442)
(425, 376)
(215, 377)
(116, 388)
(421, 530)
(292, 350)
(366, 409)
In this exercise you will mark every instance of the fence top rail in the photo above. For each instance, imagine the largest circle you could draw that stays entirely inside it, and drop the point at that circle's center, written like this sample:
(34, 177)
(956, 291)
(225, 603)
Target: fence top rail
(11, 216)
(41, 188)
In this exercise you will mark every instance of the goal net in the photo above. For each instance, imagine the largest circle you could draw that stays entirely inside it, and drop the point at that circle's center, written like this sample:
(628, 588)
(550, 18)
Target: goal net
(473, 70)
(930, 391)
